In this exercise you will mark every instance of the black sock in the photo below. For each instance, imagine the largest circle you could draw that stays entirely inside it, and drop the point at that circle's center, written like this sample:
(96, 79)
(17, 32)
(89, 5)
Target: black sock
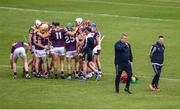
(62, 72)
(99, 69)
(50, 68)
(77, 72)
(84, 75)
(15, 73)
(26, 72)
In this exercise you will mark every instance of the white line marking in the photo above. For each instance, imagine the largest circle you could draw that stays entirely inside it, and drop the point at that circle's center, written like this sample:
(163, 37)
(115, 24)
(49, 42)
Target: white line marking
(147, 77)
(170, 79)
(150, 77)
(129, 4)
(8, 66)
(88, 14)
(171, 1)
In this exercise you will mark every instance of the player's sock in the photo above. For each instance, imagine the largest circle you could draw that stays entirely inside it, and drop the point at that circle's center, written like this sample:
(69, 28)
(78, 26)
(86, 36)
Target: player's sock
(27, 75)
(97, 76)
(50, 70)
(62, 73)
(15, 73)
(46, 75)
(26, 72)
(37, 74)
(76, 74)
(100, 71)
(97, 72)
(33, 72)
(69, 75)
(56, 76)
(14, 76)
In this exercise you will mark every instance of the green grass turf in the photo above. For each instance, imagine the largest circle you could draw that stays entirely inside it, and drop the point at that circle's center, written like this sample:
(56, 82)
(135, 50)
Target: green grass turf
(142, 20)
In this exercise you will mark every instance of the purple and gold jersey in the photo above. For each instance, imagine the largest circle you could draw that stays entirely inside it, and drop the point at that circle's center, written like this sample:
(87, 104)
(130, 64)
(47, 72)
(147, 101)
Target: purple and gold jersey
(95, 34)
(70, 42)
(32, 31)
(16, 45)
(81, 30)
(36, 37)
(46, 42)
(57, 38)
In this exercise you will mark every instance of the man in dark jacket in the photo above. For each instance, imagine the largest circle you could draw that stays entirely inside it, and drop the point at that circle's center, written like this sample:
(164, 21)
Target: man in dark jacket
(123, 60)
(157, 59)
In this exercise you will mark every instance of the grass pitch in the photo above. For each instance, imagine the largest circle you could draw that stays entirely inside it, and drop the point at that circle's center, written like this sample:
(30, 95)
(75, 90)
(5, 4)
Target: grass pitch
(142, 20)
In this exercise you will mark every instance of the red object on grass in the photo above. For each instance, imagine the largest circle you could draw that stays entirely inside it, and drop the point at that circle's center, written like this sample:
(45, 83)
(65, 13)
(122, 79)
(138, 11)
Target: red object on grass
(123, 77)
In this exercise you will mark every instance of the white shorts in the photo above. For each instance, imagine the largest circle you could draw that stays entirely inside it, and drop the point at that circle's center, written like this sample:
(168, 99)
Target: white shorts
(19, 52)
(33, 48)
(40, 53)
(58, 51)
(96, 50)
(71, 54)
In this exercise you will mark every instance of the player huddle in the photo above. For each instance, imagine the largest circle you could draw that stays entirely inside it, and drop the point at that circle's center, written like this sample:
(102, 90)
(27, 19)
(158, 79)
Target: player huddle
(79, 44)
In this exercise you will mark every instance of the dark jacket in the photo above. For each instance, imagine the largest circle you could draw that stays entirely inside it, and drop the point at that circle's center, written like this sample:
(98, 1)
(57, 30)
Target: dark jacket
(123, 53)
(89, 44)
(157, 53)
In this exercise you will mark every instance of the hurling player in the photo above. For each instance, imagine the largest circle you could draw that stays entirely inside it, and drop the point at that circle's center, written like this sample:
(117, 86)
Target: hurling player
(18, 50)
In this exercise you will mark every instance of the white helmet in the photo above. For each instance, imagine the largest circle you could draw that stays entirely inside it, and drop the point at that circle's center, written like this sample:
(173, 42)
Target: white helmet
(37, 23)
(78, 20)
(44, 26)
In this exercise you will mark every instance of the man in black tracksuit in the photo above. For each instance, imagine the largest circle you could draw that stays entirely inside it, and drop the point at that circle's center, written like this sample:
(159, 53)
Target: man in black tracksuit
(157, 59)
(123, 60)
